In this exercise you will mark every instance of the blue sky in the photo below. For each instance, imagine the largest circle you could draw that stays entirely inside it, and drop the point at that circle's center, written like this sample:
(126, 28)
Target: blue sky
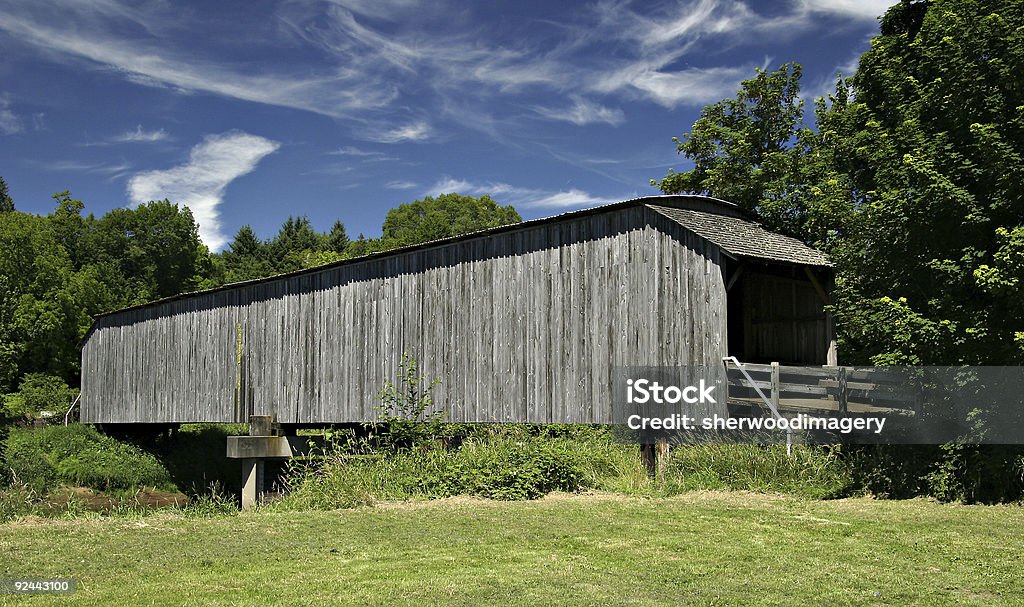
(252, 111)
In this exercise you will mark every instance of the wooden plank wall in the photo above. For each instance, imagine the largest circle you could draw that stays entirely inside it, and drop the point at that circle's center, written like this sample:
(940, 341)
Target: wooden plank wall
(520, 326)
(784, 321)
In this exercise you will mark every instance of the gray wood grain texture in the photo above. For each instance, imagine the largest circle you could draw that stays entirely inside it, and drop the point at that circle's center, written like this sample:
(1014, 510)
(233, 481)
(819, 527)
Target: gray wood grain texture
(519, 326)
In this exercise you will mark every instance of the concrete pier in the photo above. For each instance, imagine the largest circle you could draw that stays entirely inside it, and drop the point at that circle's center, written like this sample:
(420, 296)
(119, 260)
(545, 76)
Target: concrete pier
(264, 442)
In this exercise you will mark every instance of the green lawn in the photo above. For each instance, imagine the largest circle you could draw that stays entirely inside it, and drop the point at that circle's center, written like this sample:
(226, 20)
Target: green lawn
(698, 549)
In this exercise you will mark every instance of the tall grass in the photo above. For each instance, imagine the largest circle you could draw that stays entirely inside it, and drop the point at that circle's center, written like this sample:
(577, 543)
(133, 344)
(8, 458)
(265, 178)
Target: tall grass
(810, 471)
(517, 462)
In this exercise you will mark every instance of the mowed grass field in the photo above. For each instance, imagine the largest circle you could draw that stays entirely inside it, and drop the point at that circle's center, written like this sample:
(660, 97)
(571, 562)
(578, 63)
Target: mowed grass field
(696, 549)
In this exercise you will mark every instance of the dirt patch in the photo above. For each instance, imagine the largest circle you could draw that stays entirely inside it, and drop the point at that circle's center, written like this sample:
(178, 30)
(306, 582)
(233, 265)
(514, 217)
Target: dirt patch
(977, 595)
(100, 502)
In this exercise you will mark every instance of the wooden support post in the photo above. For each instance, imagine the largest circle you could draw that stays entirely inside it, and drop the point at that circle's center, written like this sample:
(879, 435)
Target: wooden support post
(647, 456)
(842, 391)
(775, 385)
(832, 352)
(831, 348)
(662, 458)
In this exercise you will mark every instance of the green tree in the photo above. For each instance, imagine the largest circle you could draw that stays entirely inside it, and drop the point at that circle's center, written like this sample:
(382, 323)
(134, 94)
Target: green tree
(44, 303)
(155, 247)
(910, 180)
(69, 226)
(362, 246)
(743, 149)
(337, 238)
(295, 241)
(247, 257)
(38, 392)
(938, 155)
(442, 217)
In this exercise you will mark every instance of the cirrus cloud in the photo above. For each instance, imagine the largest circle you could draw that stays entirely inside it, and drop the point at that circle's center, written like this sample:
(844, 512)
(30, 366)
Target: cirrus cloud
(140, 135)
(583, 112)
(415, 131)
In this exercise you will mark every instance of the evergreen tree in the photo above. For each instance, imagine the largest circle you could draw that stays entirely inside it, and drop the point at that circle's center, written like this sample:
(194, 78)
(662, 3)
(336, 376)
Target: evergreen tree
(337, 238)
(6, 202)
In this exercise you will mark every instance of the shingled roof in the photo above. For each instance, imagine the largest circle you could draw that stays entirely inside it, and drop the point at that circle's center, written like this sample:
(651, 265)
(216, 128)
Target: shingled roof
(739, 237)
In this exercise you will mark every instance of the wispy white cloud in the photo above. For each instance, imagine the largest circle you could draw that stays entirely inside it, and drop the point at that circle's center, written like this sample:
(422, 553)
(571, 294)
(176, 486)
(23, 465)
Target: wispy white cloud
(674, 26)
(10, 123)
(583, 112)
(140, 135)
(337, 91)
(449, 185)
(355, 154)
(520, 197)
(695, 86)
(200, 183)
(377, 69)
(400, 185)
(859, 9)
(362, 61)
(416, 131)
(112, 171)
(380, 9)
(350, 150)
(566, 199)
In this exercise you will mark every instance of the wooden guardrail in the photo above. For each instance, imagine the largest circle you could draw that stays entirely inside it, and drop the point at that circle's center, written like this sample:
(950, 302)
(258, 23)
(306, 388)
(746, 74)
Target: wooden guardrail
(839, 389)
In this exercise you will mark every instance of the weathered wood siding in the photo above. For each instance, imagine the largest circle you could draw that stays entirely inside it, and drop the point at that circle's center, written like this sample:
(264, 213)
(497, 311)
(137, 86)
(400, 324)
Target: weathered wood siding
(524, 325)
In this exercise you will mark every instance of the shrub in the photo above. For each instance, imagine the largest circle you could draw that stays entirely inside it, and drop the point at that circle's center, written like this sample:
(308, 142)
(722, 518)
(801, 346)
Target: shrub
(215, 502)
(38, 392)
(977, 473)
(952, 472)
(497, 462)
(79, 455)
(891, 471)
(508, 468)
(405, 410)
(15, 501)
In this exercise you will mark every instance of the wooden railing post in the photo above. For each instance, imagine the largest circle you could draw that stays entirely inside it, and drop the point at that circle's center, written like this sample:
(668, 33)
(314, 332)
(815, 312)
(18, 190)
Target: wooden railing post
(662, 458)
(776, 389)
(842, 391)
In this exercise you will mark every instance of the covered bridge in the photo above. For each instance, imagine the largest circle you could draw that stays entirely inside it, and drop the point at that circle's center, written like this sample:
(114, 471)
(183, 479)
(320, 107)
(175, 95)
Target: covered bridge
(521, 323)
